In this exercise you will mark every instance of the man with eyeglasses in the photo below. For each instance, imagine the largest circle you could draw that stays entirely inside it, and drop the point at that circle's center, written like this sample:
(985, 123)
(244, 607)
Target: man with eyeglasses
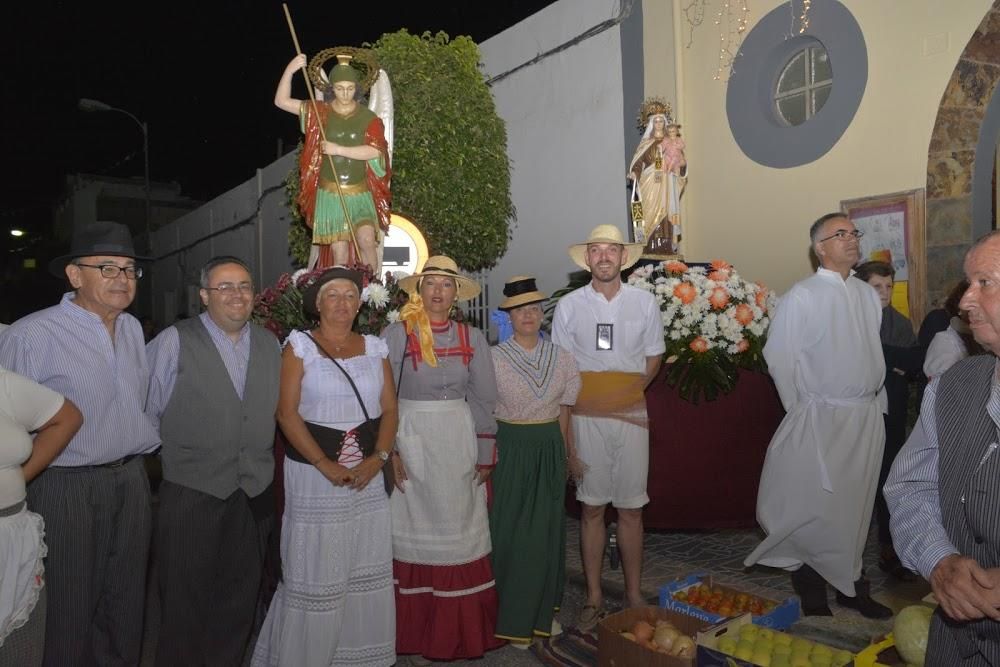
(95, 496)
(943, 490)
(820, 476)
(213, 392)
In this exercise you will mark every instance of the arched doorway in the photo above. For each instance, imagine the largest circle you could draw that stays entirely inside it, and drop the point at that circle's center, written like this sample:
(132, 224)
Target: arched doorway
(961, 156)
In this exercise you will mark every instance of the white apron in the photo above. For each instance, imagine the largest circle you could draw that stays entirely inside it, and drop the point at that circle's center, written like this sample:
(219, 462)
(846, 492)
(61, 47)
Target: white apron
(440, 518)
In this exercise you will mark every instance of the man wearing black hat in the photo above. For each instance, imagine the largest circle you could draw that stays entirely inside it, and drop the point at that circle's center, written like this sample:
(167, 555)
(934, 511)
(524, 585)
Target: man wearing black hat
(95, 496)
(216, 502)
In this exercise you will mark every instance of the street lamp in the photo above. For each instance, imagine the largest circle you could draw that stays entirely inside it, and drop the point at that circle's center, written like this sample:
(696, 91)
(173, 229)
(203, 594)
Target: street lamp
(94, 105)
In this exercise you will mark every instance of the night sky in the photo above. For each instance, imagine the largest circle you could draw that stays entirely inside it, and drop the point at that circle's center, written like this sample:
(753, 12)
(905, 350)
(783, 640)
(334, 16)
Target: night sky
(202, 75)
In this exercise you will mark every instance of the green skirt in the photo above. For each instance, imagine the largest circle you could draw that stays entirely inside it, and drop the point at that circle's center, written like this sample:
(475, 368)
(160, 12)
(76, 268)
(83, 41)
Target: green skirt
(329, 223)
(528, 528)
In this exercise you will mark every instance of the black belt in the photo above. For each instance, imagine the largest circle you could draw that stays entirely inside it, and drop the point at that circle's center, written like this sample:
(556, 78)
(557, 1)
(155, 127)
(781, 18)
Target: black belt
(110, 464)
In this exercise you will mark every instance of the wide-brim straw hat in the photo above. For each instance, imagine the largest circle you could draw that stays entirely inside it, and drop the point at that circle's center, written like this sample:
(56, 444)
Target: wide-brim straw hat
(442, 265)
(98, 239)
(311, 294)
(605, 234)
(520, 291)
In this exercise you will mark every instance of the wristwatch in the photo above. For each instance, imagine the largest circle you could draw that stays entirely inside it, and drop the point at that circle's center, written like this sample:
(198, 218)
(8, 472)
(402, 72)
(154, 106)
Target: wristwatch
(383, 456)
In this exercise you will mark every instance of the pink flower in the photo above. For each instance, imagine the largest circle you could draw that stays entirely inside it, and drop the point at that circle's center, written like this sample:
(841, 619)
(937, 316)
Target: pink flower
(699, 345)
(744, 314)
(719, 298)
(686, 292)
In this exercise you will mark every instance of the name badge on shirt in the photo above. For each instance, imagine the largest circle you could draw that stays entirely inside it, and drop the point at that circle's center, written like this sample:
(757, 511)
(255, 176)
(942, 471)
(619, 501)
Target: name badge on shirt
(605, 337)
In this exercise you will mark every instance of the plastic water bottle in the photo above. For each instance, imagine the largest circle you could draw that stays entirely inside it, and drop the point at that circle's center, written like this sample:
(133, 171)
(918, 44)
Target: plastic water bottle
(614, 557)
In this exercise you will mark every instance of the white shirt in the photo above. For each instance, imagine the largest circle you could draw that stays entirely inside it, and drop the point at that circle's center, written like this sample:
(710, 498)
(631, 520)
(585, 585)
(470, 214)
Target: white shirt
(25, 406)
(946, 349)
(637, 328)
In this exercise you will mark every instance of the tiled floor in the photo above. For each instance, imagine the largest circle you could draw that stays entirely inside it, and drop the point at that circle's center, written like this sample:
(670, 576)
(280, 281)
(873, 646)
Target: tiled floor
(673, 555)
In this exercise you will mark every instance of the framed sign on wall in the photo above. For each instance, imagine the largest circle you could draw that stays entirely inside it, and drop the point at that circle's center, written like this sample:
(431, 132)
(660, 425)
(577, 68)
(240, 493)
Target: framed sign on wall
(895, 232)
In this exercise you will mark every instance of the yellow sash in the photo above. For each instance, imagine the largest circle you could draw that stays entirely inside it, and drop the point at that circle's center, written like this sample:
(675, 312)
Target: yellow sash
(612, 394)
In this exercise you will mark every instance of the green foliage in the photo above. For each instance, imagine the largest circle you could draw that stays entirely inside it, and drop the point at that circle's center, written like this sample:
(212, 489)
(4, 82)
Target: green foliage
(451, 174)
(299, 236)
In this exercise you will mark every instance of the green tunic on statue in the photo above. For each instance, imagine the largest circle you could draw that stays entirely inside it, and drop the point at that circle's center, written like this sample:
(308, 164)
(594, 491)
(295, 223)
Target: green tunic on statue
(329, 225)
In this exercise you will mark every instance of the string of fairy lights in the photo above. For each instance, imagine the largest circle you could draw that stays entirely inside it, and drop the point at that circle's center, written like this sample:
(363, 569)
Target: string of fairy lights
(732, 20)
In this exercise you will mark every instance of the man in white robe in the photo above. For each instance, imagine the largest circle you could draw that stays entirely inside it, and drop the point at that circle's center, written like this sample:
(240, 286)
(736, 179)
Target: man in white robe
(820, 476)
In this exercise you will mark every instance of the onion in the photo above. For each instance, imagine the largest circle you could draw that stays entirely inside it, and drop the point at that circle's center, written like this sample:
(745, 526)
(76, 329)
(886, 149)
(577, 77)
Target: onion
(683, 647)
(643, 631)
(665, 636)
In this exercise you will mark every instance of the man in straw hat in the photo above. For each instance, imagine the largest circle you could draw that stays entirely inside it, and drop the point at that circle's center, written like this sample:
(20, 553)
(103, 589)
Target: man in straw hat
(615, 332)
(95, 496)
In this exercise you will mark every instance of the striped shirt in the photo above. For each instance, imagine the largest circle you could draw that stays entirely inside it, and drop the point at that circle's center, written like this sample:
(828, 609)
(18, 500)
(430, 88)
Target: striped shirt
(68, 349)
(911, 490)
(164, 351)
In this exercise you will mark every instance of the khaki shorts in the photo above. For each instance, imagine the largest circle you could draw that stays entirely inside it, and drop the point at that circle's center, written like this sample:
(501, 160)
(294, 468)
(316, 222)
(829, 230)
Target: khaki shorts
(617, 457)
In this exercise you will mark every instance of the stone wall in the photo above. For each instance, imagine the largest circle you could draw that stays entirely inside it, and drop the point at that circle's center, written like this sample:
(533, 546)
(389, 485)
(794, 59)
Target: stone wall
(952, 156)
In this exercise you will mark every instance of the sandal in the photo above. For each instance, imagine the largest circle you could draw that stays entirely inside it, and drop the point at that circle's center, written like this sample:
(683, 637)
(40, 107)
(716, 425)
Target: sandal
(590, 615)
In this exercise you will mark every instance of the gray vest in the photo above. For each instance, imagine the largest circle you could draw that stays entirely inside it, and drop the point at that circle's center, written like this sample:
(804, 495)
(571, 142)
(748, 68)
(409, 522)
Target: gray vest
(212, 441)
(969, 487)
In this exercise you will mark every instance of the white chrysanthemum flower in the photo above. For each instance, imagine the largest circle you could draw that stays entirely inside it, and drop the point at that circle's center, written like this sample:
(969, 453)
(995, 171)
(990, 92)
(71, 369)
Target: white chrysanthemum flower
(392, 316)
(375, 294)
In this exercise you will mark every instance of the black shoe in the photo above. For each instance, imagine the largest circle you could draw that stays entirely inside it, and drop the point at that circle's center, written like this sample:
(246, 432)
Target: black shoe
(811, 589)
(862, 601)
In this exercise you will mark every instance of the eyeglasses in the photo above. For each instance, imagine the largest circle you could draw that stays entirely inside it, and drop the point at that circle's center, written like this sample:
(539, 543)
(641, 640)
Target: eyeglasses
(112, 271)
(843, 235)
(227, 289)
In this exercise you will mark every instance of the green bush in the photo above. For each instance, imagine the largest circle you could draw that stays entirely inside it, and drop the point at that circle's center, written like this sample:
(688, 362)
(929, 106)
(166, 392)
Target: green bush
(451, 174)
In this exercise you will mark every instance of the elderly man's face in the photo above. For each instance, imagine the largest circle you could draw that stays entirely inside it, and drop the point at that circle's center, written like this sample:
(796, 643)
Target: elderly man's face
(229, 297)
(106, 297)
(982, 299)
(605, 260)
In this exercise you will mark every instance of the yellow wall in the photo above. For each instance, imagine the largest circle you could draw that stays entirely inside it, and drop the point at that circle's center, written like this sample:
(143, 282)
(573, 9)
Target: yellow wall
(757, 217)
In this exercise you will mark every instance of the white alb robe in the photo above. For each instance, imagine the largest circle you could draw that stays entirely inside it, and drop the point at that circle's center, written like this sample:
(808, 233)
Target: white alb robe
(820, 476)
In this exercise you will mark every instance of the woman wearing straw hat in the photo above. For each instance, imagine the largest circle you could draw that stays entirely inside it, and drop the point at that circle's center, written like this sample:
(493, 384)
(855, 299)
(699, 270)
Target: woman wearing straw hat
(537, 382)
(446, 603)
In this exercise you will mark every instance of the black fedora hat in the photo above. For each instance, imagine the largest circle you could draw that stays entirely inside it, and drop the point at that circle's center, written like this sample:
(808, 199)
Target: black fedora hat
(101, 238)
(311, 293)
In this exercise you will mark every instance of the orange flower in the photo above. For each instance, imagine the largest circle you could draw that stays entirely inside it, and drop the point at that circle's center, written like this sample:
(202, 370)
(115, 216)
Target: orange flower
(718, 276)
(743, 345)
(721, 265)
(719, 298)
(673, 266)
(744, 314)
(761, 296)
(685, 292)
(699, 345)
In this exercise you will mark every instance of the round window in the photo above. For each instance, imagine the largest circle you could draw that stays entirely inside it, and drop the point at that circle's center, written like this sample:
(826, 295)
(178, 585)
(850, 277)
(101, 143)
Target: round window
(804, 85)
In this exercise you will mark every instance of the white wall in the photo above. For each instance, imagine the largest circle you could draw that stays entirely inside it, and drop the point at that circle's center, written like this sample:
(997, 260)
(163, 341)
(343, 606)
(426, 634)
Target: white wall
(758, 217)
(564, 136)
(263, 243)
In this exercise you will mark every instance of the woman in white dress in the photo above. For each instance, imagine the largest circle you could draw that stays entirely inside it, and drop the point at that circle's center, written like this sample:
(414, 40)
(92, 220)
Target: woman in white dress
(335, 603)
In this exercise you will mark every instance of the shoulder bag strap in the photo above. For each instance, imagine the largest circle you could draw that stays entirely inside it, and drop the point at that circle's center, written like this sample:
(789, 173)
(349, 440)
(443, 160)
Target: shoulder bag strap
(347, 375)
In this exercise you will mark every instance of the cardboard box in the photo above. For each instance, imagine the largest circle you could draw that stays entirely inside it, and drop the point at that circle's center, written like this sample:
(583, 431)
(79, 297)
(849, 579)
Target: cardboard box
(780, 618)
(613, 650)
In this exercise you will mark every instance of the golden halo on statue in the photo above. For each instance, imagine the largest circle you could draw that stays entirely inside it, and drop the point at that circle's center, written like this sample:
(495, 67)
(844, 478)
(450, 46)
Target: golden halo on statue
(366, 58)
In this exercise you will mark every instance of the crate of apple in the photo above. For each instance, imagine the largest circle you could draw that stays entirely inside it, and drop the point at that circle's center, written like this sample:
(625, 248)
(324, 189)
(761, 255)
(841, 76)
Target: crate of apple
(763, 646)
(724, 601)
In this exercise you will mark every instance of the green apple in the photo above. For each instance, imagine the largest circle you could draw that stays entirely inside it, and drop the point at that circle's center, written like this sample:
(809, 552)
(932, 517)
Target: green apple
(748, 631)
(821, 659)
(780, 661)
(780, 649)
(801, 644)
(782, 639)
(766, 633)
(842, 658)
(744, 652)
(727, 645)
(822, 649)
(800, 661)
(762, 658)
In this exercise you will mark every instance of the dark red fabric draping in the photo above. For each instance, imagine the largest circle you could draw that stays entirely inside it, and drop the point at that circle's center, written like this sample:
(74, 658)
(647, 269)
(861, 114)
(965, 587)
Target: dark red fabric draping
(705, 459)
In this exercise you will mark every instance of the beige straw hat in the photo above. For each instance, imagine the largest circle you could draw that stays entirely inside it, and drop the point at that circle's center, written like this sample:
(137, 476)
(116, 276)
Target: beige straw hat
(605, 234)
(520, 290)
(442, 265)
